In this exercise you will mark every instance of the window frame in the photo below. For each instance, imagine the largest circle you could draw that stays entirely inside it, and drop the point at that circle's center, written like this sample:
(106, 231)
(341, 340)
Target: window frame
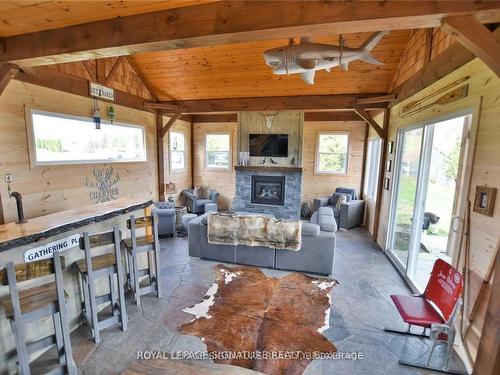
(317, 153)
(176, 170)
(229, 152)
(30, 132)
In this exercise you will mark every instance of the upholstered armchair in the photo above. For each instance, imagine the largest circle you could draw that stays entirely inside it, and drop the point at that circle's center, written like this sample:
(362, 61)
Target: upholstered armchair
(166, 218)
(197, 205)
(349, 214)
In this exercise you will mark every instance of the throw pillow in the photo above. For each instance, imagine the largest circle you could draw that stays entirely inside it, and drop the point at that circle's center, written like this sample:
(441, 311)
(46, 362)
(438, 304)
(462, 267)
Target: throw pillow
(202, 192)
(342, 199)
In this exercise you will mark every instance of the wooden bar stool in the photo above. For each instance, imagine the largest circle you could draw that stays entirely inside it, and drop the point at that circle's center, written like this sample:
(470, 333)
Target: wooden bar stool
(149, 244)
(35, 303)
(92, 268)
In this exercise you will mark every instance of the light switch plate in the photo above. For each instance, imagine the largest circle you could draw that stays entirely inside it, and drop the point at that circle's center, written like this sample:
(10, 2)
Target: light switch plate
(9, 178)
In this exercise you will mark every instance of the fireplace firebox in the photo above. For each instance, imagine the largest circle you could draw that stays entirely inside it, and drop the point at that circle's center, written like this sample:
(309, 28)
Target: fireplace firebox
(268, 190)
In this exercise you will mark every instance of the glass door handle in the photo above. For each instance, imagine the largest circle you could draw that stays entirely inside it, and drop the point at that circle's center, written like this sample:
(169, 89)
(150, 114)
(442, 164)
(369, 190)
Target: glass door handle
(453, 221)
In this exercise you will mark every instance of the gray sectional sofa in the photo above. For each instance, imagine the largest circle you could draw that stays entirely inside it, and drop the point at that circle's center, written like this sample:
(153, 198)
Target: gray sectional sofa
(315, 255)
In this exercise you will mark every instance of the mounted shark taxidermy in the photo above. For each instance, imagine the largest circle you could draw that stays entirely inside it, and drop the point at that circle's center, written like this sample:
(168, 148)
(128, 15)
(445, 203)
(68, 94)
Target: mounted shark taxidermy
(308, 57)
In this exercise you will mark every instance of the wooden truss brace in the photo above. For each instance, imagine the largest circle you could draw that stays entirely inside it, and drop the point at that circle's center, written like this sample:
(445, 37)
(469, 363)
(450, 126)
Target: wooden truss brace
(168, 125)
(7, 72)
(478, 39)
(361, 112)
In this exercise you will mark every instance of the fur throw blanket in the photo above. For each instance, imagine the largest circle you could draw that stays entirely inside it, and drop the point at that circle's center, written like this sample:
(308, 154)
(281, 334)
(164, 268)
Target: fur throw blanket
(254, 230)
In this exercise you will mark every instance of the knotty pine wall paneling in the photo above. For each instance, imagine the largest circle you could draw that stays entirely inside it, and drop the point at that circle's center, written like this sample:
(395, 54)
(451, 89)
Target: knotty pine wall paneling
(50, 189)
(483, 90)
(323, 184)
(222, 181)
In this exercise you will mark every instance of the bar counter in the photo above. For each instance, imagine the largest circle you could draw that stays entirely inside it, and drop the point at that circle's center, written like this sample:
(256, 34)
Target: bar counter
(36, 229)
(18, 240)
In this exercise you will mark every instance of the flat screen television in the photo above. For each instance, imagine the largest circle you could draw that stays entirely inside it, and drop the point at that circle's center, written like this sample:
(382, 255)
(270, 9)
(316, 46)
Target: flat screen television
(274, 145)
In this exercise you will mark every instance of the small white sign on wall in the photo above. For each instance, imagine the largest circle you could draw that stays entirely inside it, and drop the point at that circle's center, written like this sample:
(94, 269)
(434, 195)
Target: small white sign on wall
(99, 91)
(45, 251)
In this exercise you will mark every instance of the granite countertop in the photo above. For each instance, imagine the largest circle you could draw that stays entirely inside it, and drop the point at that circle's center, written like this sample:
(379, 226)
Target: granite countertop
(35, 229)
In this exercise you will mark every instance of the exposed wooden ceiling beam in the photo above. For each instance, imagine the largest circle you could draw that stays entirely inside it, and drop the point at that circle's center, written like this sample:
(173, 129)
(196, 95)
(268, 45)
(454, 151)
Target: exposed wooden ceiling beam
(7, 72)
(377, 99)
(272, 103)
(370, 121)
(54, 79)
(450, 60)
(227, 22)
(331, 116)
(474, 36)
(169, 124)
(216, 117)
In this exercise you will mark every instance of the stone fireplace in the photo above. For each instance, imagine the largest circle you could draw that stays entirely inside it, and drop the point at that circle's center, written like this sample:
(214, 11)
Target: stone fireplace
(275, 191)
(268, 190)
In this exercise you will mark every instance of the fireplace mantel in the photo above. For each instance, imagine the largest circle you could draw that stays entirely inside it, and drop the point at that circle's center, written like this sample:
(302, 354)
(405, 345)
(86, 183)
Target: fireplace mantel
(260, 168)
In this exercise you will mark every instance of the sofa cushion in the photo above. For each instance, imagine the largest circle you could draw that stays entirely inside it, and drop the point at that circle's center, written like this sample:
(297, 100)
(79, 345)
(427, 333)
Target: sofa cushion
(202, 192)
(310, 229)
(349, 191)
(326, 219)
(163, 205)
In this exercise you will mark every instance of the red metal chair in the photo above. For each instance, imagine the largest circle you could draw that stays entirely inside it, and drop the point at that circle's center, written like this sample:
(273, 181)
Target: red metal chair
(435, 309)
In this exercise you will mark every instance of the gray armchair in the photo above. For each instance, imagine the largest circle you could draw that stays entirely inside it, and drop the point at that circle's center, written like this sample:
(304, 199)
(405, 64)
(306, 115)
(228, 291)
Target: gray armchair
(197, 205)
(350, 213)
(166, 218)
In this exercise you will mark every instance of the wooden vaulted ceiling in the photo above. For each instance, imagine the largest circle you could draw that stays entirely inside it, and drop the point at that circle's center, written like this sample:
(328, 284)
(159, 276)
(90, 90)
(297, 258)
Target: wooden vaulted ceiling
(210, 49)
(28, 16)
(239, 70)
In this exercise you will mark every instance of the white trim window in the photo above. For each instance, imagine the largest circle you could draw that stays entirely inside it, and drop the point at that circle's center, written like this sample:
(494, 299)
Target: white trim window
(372, 168)
(59, 139)
(218, 151)
(177, 147)
(332, 153)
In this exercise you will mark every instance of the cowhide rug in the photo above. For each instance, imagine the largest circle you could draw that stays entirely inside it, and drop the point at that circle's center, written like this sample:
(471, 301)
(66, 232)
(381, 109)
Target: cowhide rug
(246, 311)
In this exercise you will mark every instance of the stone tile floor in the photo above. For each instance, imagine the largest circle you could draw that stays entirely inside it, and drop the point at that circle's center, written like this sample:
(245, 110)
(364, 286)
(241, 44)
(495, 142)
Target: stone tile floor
(361, 308)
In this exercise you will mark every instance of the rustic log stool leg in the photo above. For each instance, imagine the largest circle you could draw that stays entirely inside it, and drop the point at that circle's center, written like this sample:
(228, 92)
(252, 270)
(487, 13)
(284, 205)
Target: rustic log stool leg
(105, 265)
(35, 303)
(148, 244)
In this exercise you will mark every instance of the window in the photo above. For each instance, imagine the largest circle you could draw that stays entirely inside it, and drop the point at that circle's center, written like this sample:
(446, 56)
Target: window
(177, 151)
(62, 139)
(372, 168)
(218, 151)
(332, 153)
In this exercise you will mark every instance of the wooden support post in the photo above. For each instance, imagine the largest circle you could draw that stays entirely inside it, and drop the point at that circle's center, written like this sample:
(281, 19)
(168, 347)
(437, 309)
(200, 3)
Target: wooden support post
(471, 33)
(363, 167)
(488, 356)
(381, 175)
(160, 158)
(192, 152)
(7, 72)
(101, 71)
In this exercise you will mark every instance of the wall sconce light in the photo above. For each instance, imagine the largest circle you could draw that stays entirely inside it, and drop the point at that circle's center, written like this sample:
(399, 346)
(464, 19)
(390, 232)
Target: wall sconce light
(96, 117)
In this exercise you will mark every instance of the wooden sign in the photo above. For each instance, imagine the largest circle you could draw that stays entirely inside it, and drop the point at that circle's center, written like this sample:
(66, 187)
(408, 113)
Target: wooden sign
(102, 92)
(45, 251)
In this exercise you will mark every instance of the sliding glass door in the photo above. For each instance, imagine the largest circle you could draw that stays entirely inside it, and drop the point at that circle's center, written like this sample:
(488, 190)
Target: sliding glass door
(425, 201)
